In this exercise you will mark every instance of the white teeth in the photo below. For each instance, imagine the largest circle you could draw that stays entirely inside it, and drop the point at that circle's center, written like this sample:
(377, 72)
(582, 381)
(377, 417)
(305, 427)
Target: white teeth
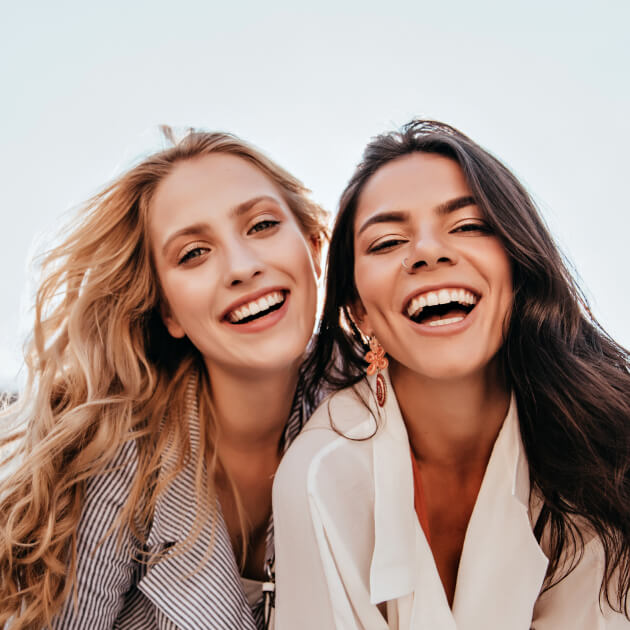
(443, 296)
(447, 320)
(256, 306)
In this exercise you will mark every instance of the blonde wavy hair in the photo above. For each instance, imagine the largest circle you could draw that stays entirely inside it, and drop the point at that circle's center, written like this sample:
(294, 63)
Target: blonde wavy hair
(103, 370)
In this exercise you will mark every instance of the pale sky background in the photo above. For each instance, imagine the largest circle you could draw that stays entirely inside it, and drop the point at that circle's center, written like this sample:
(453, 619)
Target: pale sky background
(543, 84)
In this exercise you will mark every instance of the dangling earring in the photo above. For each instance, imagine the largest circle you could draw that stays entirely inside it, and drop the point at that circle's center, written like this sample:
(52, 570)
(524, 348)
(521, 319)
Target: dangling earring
(377, 360)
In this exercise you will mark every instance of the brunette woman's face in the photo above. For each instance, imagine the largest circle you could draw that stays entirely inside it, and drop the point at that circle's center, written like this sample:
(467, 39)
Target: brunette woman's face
(445, 316)
(238, 276)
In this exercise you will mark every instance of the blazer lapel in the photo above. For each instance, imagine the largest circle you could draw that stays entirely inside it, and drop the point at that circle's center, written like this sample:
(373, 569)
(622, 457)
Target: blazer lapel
(194, 591)
(502, 567)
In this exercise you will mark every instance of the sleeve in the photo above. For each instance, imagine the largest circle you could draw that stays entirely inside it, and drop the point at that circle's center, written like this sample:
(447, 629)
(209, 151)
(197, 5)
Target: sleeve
(104, 571)
(317, 587)
(574, 602)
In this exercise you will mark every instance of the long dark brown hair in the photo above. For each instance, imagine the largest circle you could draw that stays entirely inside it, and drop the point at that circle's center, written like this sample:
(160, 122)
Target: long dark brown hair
(570, 379)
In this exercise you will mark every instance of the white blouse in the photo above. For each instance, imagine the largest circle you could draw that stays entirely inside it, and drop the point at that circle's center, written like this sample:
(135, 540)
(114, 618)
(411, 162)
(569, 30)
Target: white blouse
(348, 537)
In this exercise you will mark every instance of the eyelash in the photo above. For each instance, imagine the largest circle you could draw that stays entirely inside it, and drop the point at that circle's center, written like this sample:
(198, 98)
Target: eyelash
(199, 250)
(385, 245)
(266, 224)
(187, 257)
(473, 227)
(466, 227)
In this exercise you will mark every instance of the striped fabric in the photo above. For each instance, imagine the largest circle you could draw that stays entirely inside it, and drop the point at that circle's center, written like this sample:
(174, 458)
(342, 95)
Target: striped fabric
(180, 591)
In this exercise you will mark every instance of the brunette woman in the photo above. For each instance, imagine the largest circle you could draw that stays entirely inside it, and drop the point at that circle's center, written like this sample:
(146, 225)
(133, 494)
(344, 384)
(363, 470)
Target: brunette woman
(481, 481)
(164, 385)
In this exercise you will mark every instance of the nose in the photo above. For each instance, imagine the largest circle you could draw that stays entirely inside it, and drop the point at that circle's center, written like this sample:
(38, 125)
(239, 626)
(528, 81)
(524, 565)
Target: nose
(242, 264)
(429, 252)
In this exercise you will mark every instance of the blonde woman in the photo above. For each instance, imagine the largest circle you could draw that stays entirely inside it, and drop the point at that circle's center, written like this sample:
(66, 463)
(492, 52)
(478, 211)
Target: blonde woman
(164, 385)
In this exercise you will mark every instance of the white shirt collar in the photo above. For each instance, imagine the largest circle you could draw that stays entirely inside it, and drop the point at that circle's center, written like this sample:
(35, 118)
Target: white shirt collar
(500, 518)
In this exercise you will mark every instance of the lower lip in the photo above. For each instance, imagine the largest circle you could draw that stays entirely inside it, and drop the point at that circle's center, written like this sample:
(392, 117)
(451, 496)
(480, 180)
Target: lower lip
(446, 329)
(262, 323)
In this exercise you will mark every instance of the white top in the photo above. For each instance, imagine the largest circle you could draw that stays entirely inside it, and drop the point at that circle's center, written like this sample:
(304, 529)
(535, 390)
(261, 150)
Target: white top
(252, 590)
(348, 537)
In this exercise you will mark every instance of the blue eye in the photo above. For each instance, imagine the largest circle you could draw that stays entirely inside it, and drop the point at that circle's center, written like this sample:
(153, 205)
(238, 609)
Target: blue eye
(266, 224)
(192, 254)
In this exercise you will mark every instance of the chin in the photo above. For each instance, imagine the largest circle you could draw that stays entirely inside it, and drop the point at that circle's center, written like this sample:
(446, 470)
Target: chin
(281, 356)
(445, 368)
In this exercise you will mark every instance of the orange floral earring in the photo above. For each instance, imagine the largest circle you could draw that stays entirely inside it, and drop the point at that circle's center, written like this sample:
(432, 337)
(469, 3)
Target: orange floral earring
(377, 360)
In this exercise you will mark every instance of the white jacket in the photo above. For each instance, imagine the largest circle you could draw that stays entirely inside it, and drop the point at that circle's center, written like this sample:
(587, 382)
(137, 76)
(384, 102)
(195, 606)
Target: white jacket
(348, 537)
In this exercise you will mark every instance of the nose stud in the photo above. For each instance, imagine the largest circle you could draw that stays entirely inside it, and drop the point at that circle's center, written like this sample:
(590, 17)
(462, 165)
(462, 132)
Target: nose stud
(405, 265)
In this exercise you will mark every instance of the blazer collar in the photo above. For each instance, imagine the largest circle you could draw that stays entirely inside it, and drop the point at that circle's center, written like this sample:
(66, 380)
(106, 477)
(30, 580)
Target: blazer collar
(170, 525)
(193, 590)
(501, 568)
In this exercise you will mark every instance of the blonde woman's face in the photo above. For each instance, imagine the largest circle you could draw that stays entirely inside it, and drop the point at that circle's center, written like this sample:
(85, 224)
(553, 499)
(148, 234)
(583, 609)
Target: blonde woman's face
(238, 276)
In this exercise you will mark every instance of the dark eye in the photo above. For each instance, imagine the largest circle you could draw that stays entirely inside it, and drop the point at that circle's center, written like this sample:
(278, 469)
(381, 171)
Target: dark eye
(191, 254)
(482, 228)
(266, 224)
(381, 246)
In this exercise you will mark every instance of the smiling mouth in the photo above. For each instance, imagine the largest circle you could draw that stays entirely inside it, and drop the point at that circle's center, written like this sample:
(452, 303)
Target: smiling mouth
(439, 308)
(257, 309)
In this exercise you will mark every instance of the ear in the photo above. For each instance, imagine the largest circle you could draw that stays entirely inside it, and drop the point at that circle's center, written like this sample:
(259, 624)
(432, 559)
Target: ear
(172, 325)
(315, 244)
(360, 318)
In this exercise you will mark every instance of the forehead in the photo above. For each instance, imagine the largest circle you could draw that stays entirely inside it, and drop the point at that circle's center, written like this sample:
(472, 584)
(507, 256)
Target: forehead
(414, 181)
(201, 187)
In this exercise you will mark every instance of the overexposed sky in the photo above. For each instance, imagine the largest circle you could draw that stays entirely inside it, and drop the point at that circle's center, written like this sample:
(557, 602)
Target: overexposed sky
(544, 85)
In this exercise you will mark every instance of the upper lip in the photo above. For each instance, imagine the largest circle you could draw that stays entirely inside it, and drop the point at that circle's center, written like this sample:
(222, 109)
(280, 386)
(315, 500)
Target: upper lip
(250, 297)
(438, 287)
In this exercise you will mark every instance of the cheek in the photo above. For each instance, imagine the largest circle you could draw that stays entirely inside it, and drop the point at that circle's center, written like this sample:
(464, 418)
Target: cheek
(296, 255)
(504, 265)
(188, 293)
(493, 263)
(372, 277)
(504, 287)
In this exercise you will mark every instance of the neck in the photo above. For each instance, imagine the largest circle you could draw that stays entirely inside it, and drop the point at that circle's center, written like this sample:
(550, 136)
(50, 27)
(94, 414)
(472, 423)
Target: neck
(252, 409)
(452, 424)
(251, 412)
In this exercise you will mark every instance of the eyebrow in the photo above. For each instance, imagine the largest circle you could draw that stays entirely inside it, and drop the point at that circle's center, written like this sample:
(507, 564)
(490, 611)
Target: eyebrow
(455, 204)
(400, 216)
(242, 208)
(236, 211)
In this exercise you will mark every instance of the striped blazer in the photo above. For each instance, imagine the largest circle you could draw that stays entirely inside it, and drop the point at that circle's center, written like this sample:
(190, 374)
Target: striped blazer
(178, 592)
